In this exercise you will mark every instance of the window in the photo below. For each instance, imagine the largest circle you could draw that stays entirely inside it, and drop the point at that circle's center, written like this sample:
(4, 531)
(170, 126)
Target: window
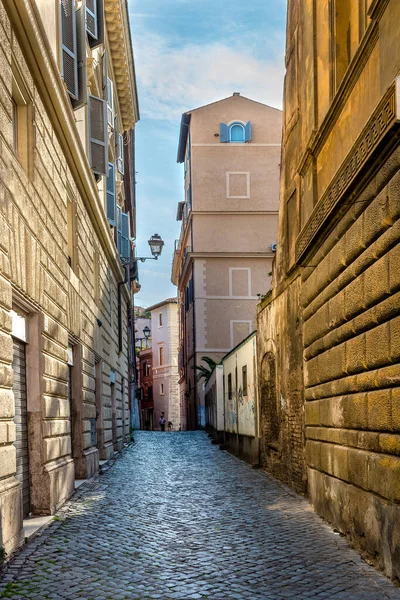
(71, 226)
(21, 122)
(230, 386)
(349, 22)
(244, 380)
(160, 320)
(69, 47)
(120, 153)
(235, 132)
(161, 389)
(98, 135)
(161, 355)
(110, 102)
(146, 369)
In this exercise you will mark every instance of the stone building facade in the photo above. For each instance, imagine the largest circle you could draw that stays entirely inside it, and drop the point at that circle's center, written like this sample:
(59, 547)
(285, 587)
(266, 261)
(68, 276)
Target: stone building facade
(164, 335)
(68, 107)
(329, 343)
(223, 258)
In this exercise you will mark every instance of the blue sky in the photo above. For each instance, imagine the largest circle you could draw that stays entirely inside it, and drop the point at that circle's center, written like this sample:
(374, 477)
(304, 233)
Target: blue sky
(189, 53)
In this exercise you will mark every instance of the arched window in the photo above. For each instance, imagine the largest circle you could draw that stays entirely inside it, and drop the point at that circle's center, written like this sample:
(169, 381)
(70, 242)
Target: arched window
(236, 133)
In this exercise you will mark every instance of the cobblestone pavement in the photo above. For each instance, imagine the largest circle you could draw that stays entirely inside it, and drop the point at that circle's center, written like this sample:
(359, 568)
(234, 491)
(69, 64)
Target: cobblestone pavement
(176, 518)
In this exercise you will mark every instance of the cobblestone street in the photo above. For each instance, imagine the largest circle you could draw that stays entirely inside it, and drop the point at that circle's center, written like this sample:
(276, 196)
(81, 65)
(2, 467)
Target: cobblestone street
(177, 518)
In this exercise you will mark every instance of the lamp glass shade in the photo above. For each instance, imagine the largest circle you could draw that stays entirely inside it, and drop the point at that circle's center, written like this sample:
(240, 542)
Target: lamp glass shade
(156, 244)
(146, 332)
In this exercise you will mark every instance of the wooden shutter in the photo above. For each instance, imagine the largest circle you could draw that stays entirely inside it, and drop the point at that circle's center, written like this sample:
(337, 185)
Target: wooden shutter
(120, 153)
(95, 22)
(81, 57)
(111, 200)
(68, 47)
(91, 18)
(119, 230)
(247, 132)
(105, 74)
(125, 240)
(110, 102)
(98, 135)
(223, 133)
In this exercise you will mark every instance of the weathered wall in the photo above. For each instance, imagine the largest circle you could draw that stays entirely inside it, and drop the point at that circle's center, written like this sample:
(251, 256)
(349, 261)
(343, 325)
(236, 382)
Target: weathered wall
(334, 309)
(63, 304)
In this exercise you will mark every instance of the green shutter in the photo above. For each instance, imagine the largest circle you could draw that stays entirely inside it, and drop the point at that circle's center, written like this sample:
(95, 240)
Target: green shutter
(68, 47)
(98, 135)
(125, 241)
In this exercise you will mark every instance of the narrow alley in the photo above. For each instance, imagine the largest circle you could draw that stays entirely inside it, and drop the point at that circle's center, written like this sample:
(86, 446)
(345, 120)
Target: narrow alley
(177, 518)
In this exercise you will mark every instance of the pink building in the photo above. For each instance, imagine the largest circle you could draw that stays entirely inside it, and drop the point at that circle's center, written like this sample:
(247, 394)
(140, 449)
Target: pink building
(223, 258)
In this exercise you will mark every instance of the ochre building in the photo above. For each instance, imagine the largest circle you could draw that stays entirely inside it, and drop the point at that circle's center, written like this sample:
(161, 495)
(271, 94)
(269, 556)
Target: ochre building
(329, 343)
(68, 107)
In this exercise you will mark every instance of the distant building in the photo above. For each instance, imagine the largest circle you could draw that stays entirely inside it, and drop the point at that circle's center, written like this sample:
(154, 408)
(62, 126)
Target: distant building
(223, 258)
(145, 387)
(164, 328)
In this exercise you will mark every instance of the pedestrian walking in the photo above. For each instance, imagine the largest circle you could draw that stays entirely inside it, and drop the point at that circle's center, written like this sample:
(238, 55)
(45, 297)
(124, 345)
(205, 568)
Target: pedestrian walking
(162, 422)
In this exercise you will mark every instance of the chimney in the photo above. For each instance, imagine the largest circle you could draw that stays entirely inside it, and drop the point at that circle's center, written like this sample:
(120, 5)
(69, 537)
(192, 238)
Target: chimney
(236, 93)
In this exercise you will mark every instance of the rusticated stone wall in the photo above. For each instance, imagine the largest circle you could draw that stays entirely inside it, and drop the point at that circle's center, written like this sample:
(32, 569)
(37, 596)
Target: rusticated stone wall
(62, 306)
(351, 305)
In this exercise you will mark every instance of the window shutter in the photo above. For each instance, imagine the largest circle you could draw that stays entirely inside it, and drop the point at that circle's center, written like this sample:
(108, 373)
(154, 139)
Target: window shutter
(95, 22)
(105, 74)
(110, 103)
(98, 135)
(119, 230)
(247, 132)
(125, 244)
(68, 47)
(81, 57)
(91, 18)
(111, 201)
(223, 133)
(189, 196)
(120, 153)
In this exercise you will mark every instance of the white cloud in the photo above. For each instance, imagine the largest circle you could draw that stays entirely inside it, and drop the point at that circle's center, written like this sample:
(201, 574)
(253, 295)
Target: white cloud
(173, 80)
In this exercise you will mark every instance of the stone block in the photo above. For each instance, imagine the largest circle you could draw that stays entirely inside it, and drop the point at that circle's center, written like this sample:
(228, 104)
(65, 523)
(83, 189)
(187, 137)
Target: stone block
(377, 286)
(355, 354)
(394, 271)
(317, 325)
(8, 461)
(65, 445)
(358, 467)
(389, 443)
(326, 457)
(3, 432)
(354, 301)
(387, 376)
(393, 193)
(51, 448)
(51, 407)
(7, 406)
(340, 463)
(379, 410)
(354, 240)
(376, 218)
(377, 351)
(6, 347)
(354, 411)
(384, 476)
(396, 409)
(336, 310)
(65, 408)
(330, 411)
(368, 440)
(394, 328)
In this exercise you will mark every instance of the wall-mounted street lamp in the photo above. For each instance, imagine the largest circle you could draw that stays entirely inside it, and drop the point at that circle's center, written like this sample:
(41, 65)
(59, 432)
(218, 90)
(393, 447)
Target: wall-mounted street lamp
(156, 245)
(146, 333)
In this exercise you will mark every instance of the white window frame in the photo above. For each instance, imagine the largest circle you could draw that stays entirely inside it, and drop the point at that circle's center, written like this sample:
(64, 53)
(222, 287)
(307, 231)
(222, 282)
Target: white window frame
(228, 174)
(248, 269)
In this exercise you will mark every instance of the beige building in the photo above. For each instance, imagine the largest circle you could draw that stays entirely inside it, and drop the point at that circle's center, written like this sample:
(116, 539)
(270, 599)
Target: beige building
(67, 110)
(164, 333)
(222, 260)
(329, 333)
